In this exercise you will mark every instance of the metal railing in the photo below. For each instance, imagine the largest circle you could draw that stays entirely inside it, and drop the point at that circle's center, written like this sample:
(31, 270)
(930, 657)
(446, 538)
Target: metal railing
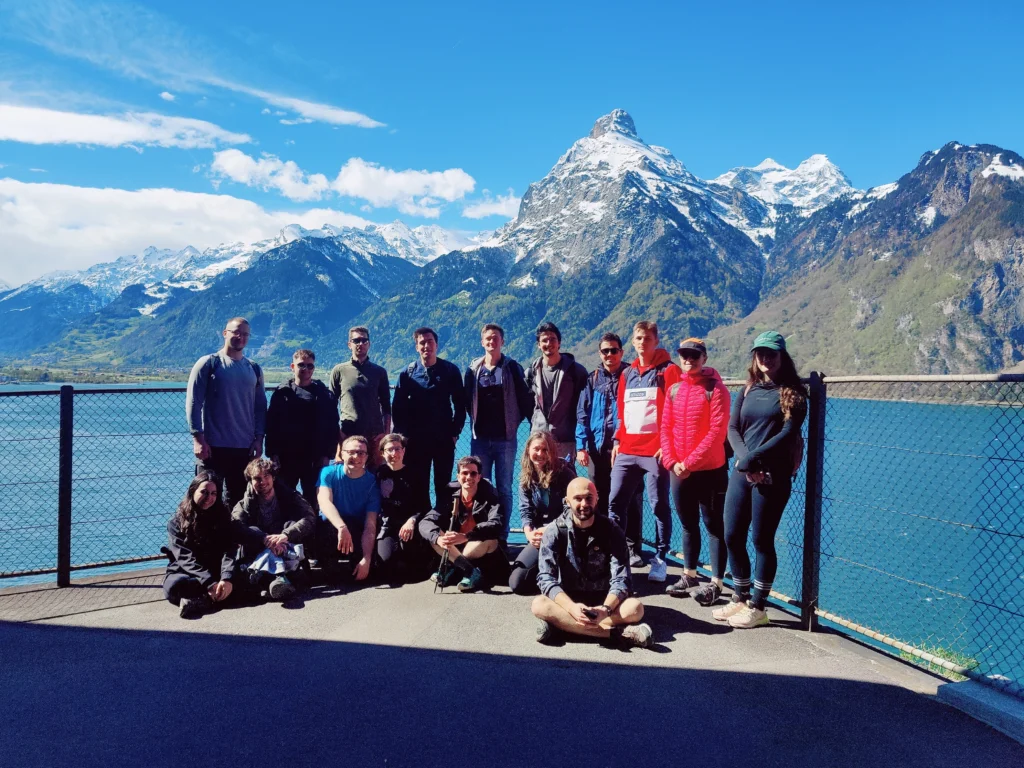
(905, 525)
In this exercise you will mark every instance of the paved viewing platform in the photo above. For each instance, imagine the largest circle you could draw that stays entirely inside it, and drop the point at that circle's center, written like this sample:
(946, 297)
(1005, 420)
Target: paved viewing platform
(105, 673)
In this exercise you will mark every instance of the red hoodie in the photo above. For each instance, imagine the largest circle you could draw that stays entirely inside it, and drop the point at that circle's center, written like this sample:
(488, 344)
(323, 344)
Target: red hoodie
(641, 400)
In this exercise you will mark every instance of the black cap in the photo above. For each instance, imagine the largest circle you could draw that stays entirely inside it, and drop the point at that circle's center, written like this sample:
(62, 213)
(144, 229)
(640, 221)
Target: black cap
(691, 344)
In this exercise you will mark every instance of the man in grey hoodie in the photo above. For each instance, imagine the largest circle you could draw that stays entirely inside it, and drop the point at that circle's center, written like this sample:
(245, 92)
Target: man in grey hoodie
(556, 380)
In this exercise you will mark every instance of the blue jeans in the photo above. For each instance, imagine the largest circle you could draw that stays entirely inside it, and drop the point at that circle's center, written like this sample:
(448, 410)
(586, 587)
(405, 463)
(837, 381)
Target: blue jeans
(501, 456)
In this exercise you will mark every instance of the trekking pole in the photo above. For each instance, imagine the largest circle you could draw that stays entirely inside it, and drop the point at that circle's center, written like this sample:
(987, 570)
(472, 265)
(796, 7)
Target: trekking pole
(442, 570)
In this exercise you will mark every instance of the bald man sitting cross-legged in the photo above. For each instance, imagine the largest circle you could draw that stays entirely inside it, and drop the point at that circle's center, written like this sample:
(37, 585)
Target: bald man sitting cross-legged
(584, 576)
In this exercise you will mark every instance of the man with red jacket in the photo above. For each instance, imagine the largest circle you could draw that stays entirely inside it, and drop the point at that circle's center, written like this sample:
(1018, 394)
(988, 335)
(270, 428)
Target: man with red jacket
(637, 452)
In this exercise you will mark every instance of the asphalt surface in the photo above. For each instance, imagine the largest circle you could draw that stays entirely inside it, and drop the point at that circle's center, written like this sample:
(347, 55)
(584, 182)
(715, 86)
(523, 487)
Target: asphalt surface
(107, 674)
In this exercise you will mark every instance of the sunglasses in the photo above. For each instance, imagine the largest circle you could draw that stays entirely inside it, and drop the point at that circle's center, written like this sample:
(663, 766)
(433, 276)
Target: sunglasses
(306, 366)
(611, 351)
(689, 354)
(360, 340)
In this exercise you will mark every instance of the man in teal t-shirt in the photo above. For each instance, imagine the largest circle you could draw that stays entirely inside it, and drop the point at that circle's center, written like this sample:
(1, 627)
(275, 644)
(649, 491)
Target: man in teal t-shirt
(349, 505)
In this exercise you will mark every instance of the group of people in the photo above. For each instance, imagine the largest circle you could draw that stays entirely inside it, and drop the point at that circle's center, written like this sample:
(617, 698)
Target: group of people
(366, 461)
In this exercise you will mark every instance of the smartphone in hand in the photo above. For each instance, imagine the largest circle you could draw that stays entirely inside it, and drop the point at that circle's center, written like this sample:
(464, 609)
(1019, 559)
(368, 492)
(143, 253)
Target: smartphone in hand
(590, 614)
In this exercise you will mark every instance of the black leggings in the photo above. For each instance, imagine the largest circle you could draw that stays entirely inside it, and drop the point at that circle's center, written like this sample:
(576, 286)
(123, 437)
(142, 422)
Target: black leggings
(757, 507)
(702, 494)
(398, 561)
(180, 586)
(523, 580)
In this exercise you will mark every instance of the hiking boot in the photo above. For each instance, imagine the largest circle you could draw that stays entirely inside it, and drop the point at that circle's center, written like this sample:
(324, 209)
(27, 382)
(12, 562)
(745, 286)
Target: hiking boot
(728, 610)
(281, 588)
(659, 570)
(471, 583)
(546, 632)
(637, 635)
(749, 618)
(682, 587)
(194, 607)
(707, 594)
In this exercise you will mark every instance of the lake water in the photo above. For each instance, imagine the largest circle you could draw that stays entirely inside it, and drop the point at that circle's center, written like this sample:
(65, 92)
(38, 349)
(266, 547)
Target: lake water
(922, 532)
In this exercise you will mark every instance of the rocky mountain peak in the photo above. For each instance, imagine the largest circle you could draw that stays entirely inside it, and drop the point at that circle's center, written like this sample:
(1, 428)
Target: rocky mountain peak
(616, 121)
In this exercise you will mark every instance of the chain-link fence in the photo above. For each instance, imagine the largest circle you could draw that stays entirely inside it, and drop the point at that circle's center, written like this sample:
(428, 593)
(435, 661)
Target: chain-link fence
(919, 509)
(29, 452)
(922, 534)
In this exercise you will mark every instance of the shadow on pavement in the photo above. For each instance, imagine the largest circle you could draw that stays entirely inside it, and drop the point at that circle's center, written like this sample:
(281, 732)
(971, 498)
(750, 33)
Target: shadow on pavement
(84, 697)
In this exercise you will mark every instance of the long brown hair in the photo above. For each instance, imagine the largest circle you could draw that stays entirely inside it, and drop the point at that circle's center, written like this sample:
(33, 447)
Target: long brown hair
(792, 392)
(196, 523)
(528, 473)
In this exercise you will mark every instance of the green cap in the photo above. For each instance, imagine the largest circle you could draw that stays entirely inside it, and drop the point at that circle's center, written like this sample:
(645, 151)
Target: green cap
(770, 340)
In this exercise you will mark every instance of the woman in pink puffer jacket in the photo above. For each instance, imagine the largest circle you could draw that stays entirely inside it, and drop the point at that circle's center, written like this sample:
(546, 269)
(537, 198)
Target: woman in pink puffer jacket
(694, 429)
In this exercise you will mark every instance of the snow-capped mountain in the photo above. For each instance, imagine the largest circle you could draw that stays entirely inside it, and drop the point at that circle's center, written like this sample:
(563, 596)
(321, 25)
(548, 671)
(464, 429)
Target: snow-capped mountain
(611, 195)
(813, 184)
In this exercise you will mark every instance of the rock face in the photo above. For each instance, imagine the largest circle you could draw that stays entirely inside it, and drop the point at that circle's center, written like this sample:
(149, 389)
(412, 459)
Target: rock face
(922, 275)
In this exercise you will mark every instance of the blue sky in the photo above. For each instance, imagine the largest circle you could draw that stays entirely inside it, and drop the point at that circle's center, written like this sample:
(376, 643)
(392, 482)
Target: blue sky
(442, 113)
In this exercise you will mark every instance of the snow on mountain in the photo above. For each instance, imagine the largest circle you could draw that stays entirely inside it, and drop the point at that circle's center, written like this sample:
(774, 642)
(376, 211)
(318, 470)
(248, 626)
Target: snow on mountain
(4, 286)
(163, 271)
(612, 194)
(813, 184)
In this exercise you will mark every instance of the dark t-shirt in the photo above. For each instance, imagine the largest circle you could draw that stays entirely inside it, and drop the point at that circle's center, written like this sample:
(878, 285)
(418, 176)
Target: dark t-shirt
(547, 386)
(397, 500)
(490, 404)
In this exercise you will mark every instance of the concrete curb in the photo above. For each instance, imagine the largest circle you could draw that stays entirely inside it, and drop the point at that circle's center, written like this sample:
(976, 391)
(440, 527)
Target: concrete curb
(1002, 711)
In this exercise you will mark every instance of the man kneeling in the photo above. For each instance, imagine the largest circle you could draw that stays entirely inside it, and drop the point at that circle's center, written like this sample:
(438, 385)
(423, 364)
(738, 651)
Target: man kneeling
(473, 534)
(584, 576)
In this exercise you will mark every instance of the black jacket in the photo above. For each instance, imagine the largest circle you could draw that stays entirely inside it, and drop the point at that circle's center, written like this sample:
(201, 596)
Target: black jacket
(430, 403)
(209, 559)
(302, 424)
(486, 511)
(294, 519)
(397, 501)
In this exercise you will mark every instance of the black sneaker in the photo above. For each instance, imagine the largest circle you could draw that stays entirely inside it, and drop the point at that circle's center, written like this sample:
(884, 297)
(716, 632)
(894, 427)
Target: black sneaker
(194, 607)
(707, 594)
(682, 587)
(281, 588)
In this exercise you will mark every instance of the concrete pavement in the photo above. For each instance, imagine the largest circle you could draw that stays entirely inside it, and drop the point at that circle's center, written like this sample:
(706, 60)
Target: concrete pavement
(107, 673)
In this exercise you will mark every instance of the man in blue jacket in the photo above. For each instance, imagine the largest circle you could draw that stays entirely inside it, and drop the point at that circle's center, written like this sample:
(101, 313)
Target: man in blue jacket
(597, 416)
(584, 576)
(430, 410)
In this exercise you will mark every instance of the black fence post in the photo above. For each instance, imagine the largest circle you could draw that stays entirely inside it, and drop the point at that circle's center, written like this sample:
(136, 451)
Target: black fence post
(812, 502)
(67, 430)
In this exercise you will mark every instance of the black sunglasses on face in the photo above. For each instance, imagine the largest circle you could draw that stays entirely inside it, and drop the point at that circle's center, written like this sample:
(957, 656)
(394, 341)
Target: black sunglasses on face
(611, 350)
(306, 366)
(689, 355)
(360, 340)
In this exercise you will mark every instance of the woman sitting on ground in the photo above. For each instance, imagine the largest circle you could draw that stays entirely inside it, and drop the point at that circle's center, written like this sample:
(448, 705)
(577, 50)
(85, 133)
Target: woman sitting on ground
(201, 550)
(399, 550)
(543, 479)
(271, 515)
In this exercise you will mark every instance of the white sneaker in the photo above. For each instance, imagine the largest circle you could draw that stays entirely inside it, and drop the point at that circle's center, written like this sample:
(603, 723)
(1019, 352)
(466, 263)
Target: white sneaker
(749, 618)
(728, 610)
(659, 570)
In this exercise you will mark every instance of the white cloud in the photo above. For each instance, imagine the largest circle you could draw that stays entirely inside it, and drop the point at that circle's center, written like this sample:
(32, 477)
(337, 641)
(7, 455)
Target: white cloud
(56, 226)
(418, 193)
(503, 205)
(37, 125)
(38, 170)
(269, 172)
(140, 43)
(167, 96)
(265, 111)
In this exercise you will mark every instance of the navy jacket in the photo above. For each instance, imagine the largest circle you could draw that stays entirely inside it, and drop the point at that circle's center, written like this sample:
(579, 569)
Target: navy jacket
(430, 403)
(540, 506)
(302, 424)
(603, 568)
